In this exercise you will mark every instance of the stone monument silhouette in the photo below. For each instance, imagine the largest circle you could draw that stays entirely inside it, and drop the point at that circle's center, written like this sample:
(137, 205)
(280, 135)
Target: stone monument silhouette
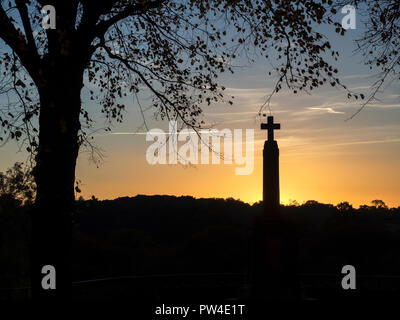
(274, 241)
(271, 200)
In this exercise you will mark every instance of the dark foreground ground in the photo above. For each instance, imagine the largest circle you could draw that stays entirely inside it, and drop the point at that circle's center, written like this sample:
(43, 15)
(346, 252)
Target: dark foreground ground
(157, 247)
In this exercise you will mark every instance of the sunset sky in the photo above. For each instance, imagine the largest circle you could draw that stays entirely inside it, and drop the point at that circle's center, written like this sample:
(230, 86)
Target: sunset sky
(322, 156)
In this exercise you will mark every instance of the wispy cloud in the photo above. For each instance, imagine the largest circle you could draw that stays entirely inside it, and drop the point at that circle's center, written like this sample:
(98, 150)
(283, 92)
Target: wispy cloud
(365, 142)
(325, 109)
(385, 105)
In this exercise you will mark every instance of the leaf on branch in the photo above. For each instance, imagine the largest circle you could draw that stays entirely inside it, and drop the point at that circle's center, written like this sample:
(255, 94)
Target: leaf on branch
(20, 83)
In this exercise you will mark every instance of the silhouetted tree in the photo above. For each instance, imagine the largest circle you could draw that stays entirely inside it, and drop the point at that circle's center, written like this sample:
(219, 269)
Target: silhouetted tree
(17, 191)
(379, 204)
(344, 207)
(17, 184)
(380, 41)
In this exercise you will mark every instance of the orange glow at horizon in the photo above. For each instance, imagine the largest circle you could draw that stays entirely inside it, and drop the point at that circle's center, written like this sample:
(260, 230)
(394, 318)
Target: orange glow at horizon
(327, 176)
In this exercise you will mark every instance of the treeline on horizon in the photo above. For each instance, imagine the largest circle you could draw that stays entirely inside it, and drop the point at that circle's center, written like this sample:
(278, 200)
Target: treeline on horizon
(341, 206)
(145, 235)
(167, 234)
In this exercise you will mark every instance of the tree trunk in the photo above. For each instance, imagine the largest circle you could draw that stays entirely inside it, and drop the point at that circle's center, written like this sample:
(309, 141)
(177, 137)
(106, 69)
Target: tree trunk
(59, 125)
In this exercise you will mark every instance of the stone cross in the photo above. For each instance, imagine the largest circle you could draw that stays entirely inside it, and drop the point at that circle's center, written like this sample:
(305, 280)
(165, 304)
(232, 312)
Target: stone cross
(270, 126)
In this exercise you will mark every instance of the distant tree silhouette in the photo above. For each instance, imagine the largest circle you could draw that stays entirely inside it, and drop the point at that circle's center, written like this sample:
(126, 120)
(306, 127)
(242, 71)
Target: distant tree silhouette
(345, 207)
(18, 184)
(17, 191)
(293, 203)
(379, 204)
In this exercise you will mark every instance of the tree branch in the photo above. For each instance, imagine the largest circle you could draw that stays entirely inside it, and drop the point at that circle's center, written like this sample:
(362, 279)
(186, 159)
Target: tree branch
(23, 12)
(17, 42)
(164, 99)
(135, 9)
